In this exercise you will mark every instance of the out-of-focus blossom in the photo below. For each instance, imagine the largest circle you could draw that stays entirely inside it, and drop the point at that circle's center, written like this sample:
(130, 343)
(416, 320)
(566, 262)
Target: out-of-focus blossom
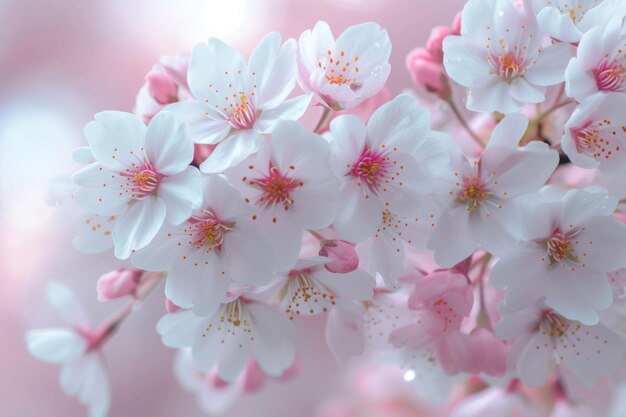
(500, 59)
(141, 175)
(342, 73)
(496, 402)
(203, 255)
(77, 349)
(567, 21)
(166, 83)
(288, 188)
(544, 339)
(234, 101)
(595, 134)
(480, 207)
(600, 64)
(568, 246)
(428, 72)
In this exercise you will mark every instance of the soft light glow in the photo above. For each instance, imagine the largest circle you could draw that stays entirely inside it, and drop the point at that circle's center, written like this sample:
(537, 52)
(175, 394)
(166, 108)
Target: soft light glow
(409, 375)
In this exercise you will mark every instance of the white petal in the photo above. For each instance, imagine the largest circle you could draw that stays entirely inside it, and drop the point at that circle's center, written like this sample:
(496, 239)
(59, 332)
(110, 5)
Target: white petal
(291, 109)
(178, 329)
(158, 255)
(357, 285)
(137, 226)
(99, 190)
(167, 144)
(358, 217)
(181, 193)
(113, 136)
(557, 25)
(534, 365)
(55, 345)
(551, 63)
(344, 334)
(579, 84)
(526, 92)
(231, 151)
(494, 96)
(67, 305)
(579, 206)
(602, 244)
(203, 124)
(465, 62)
(248, 242)
(452, 239)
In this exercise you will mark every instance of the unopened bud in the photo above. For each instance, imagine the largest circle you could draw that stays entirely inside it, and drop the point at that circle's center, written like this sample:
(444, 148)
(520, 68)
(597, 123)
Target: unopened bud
(117, 284)
(343, 255)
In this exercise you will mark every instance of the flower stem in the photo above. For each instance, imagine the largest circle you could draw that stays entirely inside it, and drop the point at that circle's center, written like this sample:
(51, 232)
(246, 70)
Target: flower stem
(483, 319)
(463, 122)
(323, 119)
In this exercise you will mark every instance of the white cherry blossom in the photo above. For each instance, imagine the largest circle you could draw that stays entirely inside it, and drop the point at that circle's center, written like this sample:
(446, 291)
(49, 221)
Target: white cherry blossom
(76, 349)
(500, 58)
(217, 245)
(568, 247)
(141, 175)
(234, 101)
(343, 73)
(288, 187)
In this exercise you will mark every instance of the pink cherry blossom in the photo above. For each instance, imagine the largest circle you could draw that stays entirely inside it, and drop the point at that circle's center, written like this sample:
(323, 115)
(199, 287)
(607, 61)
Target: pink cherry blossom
(142, 175)
(567, 249)
(234, 101)
(500, 58)
(117, 284)
(342, 73)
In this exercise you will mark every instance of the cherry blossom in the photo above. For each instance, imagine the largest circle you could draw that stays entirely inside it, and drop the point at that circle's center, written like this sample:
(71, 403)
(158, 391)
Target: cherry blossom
(480, 207)
(568, 246)
(288, 188)
(76, 349)
(241, 328)
(203, 254)
(343, 72)
(500, 59)
(496, 402)
(595, 134)
(599, 65)
(142, 175)
(234, 101)
(544, 339)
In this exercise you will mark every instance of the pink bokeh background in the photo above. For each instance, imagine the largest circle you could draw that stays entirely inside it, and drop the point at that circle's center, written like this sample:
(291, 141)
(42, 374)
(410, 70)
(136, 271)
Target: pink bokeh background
(60, 62)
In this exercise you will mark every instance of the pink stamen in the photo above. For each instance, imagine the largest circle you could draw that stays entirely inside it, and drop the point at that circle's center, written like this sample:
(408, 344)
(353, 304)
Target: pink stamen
(276, 188)
(372, 168)
(610, 75)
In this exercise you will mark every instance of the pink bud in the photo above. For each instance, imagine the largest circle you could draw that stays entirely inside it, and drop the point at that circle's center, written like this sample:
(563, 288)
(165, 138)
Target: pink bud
(170, 307)
(434, 44)
(456, 24)
(118, 283)
(427, 73)
(162, 87)
(344, 257)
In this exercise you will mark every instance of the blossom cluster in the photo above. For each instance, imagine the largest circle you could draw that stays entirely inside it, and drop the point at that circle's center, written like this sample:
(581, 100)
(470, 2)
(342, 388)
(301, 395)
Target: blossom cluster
(473, 238)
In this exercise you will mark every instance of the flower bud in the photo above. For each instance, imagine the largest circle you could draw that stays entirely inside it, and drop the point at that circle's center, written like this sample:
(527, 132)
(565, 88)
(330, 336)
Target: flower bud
(434, 45)
(344, 257)
(456, 24)
(117, 284)
(162, 87)
(427, 72)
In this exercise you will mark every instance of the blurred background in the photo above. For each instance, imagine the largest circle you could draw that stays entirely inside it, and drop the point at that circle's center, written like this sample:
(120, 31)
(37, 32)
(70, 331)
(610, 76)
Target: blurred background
(61, 61)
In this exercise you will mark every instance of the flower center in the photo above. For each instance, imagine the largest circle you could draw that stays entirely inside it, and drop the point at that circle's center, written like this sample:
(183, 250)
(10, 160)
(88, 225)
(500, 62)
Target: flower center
(590, 139)
(559, 247)
(340, 69)
(276, 188)
(473, 193)
(143, 181)
(610, 75)
(510, 66)
(303, 295)
(553, 324)
(243, 114)
(372, 168)
(207, 231)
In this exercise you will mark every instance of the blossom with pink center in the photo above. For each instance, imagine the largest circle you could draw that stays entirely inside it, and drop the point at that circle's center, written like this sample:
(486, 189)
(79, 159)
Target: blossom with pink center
(309, 289)
(234, 102)
(481, 207)
(166, 83)
(568, 246)
(76, 349)
(218, 244)
(544, 340)
(288, 187)
(568, 20)
(141, 175)
(342, 73)
(600, 64)
(241, 328)
(595, 135)
(500, 59)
